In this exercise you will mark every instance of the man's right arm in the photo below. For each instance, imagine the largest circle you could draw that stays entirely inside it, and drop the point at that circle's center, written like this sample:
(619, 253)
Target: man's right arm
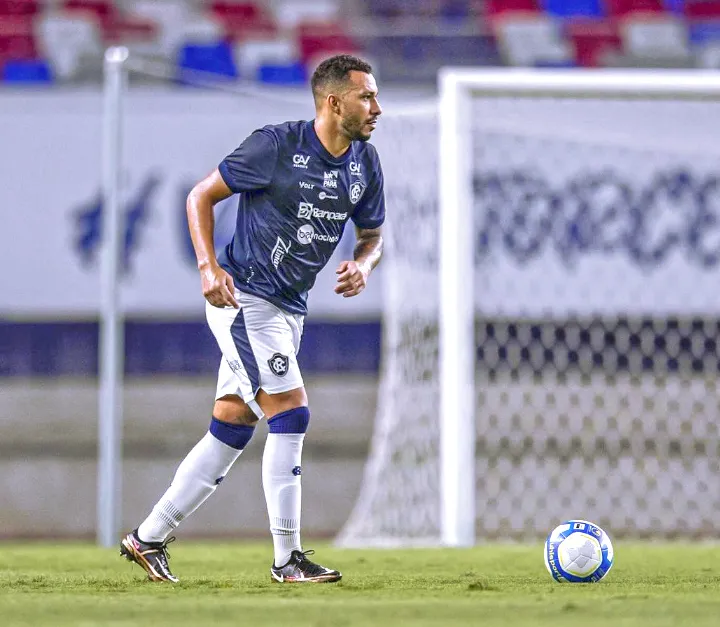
(217, 285)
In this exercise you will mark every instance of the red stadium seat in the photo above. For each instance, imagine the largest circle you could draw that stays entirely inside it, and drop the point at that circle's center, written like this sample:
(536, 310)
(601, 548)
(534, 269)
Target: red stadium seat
(318, 40)
(625, 8)
(19, 7)
(500, 8)
(116, 27)
(247, 11)
(593, 40)
(129, 28)
(17, 41)
(100, 9)
(705, 10)
(241, 20)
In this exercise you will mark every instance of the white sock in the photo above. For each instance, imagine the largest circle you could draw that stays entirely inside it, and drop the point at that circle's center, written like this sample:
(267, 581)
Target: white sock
(281, 483)
(195, 480)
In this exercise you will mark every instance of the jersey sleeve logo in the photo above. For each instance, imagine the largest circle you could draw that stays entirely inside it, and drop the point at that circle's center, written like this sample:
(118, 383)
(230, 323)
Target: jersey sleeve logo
(357, 190)
(279, 364)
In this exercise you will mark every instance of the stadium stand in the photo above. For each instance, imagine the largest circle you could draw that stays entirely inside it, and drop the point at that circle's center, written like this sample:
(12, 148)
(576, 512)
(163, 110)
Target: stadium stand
(280, 41)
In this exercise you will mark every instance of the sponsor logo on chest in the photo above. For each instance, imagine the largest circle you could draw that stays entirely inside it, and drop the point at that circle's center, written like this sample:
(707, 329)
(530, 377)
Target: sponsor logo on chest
(306, 235)
(307, 211)
(330, 180)
(300, 161)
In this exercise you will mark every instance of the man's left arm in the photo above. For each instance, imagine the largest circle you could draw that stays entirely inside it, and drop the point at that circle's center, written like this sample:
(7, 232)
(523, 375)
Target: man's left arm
(353, 275)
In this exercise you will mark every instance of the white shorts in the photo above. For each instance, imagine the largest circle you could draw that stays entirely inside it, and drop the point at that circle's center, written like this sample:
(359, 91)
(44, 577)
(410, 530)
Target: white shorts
(259, 344)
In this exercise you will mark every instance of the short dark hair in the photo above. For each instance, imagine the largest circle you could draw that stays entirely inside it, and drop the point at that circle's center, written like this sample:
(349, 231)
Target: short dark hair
(336, 70)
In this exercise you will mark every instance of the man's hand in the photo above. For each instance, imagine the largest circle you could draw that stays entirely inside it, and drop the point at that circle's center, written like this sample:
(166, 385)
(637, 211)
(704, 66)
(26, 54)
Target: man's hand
(217, 286)
(352, 278)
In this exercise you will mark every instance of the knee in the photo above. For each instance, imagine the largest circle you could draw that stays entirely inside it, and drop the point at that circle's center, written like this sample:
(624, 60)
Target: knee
(294, 420)
(233, 410)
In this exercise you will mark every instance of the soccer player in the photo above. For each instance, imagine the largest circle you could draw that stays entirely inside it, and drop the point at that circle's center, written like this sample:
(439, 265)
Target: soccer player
(298, 184)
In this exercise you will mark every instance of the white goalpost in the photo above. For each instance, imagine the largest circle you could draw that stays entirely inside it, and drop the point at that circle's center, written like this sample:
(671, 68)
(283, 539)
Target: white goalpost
(111, 358)
(569, 366)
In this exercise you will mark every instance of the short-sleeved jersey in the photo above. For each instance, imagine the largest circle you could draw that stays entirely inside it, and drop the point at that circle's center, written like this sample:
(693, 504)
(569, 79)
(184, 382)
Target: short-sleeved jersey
(295, 199)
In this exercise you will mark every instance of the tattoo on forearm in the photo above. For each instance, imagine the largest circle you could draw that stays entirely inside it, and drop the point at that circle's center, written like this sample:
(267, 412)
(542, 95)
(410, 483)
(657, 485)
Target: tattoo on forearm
(369, 250)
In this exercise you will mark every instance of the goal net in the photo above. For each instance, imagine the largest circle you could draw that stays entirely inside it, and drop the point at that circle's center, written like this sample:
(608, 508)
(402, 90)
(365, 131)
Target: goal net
(590, 205)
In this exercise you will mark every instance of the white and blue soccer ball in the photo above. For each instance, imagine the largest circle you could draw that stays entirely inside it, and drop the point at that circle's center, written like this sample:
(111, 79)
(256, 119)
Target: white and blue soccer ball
(578, 551)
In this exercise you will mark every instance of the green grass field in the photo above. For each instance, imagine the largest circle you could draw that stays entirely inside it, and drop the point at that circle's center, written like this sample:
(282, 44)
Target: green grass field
(229, 584)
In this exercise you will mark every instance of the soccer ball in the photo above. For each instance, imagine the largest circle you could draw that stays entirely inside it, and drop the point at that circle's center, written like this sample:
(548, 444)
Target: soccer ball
(578, 551)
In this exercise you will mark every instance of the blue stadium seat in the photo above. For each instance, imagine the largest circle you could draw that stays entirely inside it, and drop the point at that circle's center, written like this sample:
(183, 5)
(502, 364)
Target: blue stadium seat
(703, 33)
(573, 8)
(215, 59)
(675, 6)
(27, 71)
(285, 74)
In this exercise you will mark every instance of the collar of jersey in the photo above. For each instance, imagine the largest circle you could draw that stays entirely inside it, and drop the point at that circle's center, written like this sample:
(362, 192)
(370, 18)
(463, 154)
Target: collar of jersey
(321, 151)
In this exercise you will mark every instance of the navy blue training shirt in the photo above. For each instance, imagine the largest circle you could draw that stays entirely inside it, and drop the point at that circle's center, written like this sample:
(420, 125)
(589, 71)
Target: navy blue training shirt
(295, 199)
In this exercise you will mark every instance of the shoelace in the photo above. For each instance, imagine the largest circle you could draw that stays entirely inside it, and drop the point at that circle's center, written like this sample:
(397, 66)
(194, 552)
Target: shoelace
(164, 554)
(309, 567)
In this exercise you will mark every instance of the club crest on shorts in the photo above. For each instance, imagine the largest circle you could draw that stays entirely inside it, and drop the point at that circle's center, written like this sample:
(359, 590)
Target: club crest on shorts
(279, 364)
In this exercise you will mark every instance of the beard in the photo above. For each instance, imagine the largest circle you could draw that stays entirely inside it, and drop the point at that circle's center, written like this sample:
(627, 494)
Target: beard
(353, 128)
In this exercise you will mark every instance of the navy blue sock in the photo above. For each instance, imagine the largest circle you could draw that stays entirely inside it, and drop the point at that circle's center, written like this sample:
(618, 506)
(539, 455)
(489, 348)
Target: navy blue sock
(236, 436)
(290, 421)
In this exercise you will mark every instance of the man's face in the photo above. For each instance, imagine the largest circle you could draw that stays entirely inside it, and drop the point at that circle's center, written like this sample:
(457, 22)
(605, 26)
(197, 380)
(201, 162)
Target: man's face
(359, 107)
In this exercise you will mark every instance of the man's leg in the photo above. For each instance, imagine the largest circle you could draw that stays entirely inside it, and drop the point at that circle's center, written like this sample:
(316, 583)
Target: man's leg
(288, 418)
(196, 478)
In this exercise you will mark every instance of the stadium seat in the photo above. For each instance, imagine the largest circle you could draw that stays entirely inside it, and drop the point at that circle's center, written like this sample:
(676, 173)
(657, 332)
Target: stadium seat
(241, 20)
(288, 74)
(290, 14)
(455, 10)
(67, 40)
(661, 40)
(210, 59)
(574, 8)
(496, 9)
(130, 30)
(177, 23)
(248, 11)
(17, 47)
(101, 10)
(702, 10)
(19, 7)
(529, 41)
(623, 8)
(703, 33)
(675, 6)
(17, 39)
(705, 43)
(322, 39)
(29, 71)
(385, 9)
(251, 54)
(594, 41)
